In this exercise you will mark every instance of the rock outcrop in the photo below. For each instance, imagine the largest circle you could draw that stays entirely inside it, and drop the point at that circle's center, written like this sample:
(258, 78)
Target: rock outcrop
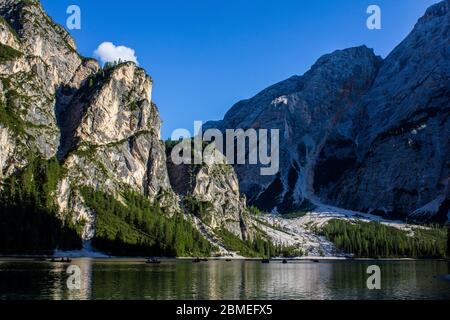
(37, 58)
(111, 137)
(211, 193)
(100, 123)
(359, 132)
(305, 109)
(395, 142)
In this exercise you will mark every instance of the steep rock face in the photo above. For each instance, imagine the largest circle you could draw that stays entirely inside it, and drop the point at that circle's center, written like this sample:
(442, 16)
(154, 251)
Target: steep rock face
(397, 136)
(218, 185)
(211, 192)
(101, 124)
(38, 58)
(360, 132)
(41, 37)
(305, 109)
(118, 117)
(114, 142)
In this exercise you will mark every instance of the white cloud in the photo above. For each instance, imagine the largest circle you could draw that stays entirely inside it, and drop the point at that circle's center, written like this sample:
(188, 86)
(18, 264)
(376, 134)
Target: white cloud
(108, 52)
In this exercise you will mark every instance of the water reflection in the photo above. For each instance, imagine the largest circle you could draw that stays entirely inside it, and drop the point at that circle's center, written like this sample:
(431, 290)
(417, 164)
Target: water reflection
(106, 279)
(60, 290)
(399, 280)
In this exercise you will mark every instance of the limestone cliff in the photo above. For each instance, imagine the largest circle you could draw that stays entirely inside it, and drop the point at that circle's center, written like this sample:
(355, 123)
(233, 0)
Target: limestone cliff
(37, 58)
(358, 131)
(102, 126)
(395, 142)
(305, 109)
(211, 193)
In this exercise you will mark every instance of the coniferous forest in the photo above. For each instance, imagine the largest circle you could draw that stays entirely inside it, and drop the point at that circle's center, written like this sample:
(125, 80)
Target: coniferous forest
(137, 227)
(29, 222)
(379, 241)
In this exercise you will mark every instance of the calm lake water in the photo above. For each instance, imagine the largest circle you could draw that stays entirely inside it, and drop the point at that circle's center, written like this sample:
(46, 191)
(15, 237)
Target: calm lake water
(120, 279)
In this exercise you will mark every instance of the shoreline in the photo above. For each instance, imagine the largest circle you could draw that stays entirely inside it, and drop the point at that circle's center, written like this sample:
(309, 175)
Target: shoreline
(36, 258)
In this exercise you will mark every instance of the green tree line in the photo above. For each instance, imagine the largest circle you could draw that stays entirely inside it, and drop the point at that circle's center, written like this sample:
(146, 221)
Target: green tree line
(135, 226)
(377, 240)
(29, 222)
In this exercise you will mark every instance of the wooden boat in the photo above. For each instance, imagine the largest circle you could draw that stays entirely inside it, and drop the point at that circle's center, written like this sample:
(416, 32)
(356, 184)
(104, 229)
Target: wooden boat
(153, 261)
(61, 260)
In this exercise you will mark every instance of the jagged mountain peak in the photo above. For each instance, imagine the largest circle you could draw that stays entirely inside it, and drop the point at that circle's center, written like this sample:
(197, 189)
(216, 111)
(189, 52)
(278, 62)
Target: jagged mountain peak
(400, 130)
(338, 66)
(42, 38)
(343, 55)
(304, 109)
(419, 62)
(101, 125)
(20, 13)
(435, 11)
(355, 111)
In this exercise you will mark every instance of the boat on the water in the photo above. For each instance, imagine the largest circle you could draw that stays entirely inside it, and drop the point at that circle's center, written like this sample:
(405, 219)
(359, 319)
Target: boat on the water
(196, 260)
(265, 261)
(153, 260)
(61, 260)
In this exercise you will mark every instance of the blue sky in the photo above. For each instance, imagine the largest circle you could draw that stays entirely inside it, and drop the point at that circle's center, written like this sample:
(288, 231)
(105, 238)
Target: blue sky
(205, 55)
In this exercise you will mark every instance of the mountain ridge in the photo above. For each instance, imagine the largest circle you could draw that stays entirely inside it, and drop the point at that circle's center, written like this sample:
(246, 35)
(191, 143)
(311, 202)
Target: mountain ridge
(82, 160)
(104, 130)
(418, 64)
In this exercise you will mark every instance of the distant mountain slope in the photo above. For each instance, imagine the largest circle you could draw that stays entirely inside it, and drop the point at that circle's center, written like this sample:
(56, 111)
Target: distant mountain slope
(400, 131)
(360, 132)
(304, 109)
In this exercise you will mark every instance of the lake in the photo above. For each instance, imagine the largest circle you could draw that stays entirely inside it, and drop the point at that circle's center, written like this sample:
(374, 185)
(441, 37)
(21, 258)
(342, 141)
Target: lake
(235, 280)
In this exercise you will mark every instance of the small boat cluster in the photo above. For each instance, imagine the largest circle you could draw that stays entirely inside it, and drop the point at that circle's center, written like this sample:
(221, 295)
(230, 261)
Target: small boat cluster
(153, 260)
(61, 260)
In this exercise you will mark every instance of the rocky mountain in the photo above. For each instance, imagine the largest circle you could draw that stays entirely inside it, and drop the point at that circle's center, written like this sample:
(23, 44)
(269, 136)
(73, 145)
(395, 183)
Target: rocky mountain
(82, 161)
(398, 134)
(82, 142)
(212, 192)
(359, 132)
(101, 124)
(305, 109)
(37, 57)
